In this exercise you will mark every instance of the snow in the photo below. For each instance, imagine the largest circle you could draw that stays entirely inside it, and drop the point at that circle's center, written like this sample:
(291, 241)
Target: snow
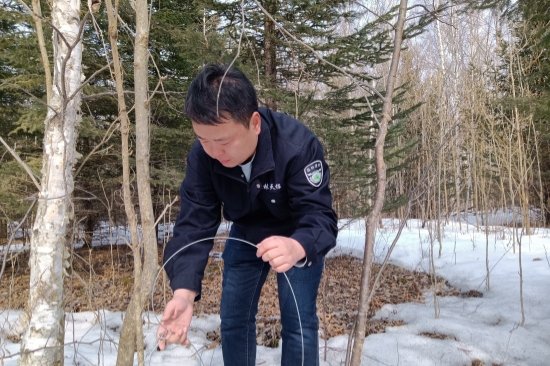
(487, 329)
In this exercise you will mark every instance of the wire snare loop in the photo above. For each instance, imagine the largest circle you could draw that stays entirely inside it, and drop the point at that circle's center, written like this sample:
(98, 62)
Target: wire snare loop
(163, 337)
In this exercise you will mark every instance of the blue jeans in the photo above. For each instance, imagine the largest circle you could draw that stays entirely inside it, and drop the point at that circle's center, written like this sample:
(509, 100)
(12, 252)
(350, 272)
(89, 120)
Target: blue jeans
(243, 277)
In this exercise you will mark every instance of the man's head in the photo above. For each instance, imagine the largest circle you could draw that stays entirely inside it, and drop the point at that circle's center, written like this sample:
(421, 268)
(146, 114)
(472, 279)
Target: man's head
(208, 104)
(227, 125)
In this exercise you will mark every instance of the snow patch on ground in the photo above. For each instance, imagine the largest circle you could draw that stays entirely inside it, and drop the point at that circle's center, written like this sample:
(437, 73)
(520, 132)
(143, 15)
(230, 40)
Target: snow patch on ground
(487, 329)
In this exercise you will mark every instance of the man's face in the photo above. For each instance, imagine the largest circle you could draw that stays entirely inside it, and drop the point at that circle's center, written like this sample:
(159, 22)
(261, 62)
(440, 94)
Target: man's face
(230, 142)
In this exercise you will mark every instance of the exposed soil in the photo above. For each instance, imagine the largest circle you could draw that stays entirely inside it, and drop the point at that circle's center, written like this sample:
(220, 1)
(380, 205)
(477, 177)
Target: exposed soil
(102, 278)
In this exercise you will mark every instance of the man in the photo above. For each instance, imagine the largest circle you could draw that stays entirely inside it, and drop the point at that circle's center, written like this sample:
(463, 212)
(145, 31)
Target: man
(266, 171)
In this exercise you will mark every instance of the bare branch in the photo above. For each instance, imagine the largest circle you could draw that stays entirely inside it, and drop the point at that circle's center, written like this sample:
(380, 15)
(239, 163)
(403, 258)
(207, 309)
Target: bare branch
(434, 13)
(375, 14)
(21, 162)
(166, 208)
(29, 94)
(106, 138)
(10, 241)
(318, 56)
(90, 79)
(114, 93)
(233, 61)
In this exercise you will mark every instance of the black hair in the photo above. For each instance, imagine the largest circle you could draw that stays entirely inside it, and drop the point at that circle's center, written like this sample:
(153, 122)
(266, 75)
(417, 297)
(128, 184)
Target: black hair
(237, 97)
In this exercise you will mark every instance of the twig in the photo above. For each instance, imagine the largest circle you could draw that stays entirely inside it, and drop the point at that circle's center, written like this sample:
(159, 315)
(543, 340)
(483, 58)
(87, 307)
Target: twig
(320, 58)
(89, 343)
(508, 343)
(375, 14)
(90, 79)
(433, 13)
(21, 162)
(114, 93)
(164, 211)
(413, 196)
(232, 61)
(29, 94)
(350, 341)
(316, 54)
(70, 48)
(106, 138)
(10, 241)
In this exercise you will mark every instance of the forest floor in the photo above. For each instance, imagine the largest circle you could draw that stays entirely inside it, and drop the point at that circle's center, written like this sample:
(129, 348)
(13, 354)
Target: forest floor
(102, 278)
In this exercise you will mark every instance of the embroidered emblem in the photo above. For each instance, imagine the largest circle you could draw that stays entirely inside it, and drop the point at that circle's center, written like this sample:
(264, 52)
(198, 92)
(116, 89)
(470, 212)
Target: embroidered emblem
(314, 173)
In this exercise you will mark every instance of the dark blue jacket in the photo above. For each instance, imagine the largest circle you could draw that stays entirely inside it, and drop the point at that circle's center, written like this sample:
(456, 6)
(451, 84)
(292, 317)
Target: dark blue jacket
(287, 195)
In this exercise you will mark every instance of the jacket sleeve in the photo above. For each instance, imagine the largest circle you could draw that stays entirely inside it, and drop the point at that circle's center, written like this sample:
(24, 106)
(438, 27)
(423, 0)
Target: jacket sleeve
(311, 202)
(199, 218)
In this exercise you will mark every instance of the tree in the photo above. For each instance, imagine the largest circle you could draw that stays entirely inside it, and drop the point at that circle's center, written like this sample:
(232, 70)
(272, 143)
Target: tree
(144, 250)
(43, 341)
(321, 94)
(373, 217)
(526, 60)
(22, 101)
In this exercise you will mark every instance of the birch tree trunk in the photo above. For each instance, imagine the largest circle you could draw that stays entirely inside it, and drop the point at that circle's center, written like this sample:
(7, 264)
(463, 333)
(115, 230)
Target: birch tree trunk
(373, 217)
(43, 340)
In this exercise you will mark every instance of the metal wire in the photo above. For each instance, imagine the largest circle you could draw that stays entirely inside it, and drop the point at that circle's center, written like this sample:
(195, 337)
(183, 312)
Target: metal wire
(161, 337)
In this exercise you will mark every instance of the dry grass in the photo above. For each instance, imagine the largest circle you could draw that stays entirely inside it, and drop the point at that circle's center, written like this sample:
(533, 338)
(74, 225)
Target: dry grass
(102, 278)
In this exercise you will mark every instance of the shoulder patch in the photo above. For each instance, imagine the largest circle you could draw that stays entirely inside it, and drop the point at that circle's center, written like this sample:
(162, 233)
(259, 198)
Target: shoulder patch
(314, 173)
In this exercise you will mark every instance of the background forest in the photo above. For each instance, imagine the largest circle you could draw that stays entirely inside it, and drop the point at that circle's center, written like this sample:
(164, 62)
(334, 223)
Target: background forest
(469, 119)
(468, 132)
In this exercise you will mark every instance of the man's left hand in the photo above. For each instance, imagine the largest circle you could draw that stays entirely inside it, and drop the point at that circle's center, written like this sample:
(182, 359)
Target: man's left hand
(281, 253)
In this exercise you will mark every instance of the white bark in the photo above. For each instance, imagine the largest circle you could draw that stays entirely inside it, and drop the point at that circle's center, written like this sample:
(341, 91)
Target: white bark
(42, 343)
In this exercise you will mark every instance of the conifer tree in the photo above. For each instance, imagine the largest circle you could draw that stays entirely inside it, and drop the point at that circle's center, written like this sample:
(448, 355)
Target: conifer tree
(530, 21)
(22, 104)
(534, 35)
(183, 38)
(292, 79)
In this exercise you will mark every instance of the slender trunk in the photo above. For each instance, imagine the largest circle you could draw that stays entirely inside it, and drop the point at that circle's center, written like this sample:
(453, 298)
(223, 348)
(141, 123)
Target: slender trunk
(145, 252)
(43, 341)
(484, 189)
(434, 274)
(468, 188)
(539, 176)
(372, 218)
(521, 285)
(124, 122)
(4, 233)
(475, 198)
(270, 55)
(442, 112)
(456, 170)
(522, 169)
(445, 194)
(37, 17)
(511, 192)
(128, 333)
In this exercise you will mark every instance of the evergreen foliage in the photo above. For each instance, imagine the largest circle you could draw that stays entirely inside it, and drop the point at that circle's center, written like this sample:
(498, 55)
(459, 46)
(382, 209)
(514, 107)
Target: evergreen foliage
(530, 23)
(178, 50)
(22, 106)
(327, 101)
(186, 35)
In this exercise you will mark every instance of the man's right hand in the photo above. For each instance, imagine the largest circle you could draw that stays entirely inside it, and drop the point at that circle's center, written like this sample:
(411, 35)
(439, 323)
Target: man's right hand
(176, 319)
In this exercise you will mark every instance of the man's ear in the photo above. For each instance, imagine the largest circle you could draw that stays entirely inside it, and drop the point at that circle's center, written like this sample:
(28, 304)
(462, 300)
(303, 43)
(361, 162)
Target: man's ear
(256, 123)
